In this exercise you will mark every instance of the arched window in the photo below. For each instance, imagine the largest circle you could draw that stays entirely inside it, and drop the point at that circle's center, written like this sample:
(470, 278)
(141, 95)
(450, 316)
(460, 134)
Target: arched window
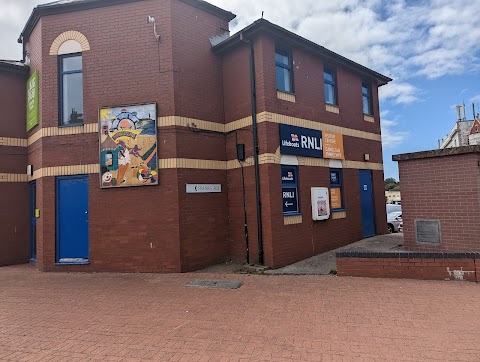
(70, 89)
(69, 48)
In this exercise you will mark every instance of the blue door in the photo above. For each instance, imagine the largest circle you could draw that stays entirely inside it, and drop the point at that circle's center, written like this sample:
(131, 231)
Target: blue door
(33, 220)
(366, 200)
(72, 219)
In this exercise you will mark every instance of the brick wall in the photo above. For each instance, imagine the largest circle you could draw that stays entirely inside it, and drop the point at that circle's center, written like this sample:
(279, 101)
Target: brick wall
(446, 189)
(14, 207)
(432, 266)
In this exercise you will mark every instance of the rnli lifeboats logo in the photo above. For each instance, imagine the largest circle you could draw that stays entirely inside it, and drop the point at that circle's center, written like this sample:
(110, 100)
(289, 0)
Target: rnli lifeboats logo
(300, 141)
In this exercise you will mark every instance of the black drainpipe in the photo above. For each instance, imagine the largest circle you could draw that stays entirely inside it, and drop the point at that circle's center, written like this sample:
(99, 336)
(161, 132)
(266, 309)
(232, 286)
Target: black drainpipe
(255, 151)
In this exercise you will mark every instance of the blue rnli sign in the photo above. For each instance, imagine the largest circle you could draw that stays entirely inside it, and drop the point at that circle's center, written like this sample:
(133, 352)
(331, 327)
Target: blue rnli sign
(300, 141)
(290, 200)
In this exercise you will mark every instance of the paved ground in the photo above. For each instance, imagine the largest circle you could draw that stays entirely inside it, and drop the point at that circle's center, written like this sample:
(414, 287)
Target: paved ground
(127, 317)
(322, 264)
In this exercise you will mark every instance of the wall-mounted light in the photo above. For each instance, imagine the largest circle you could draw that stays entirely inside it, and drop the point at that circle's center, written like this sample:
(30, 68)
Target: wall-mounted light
(30, 170)
(151, 20)
(366, 157)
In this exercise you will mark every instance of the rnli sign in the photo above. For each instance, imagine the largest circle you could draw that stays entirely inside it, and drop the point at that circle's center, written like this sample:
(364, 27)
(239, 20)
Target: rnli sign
(290, 200)
(300, 141)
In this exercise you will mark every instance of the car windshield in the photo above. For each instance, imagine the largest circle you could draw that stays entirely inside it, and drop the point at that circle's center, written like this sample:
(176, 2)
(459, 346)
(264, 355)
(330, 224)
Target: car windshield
(394, 215)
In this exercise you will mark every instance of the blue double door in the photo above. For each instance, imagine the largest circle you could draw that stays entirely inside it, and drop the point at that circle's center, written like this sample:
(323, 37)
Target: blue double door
(367, 205)
(72, 219)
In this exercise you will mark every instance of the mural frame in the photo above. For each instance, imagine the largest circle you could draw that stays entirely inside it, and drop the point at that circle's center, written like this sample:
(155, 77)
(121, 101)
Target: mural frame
(152, 178)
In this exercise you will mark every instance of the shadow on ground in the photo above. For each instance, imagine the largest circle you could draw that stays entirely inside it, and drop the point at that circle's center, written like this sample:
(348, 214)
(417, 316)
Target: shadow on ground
(321, 264)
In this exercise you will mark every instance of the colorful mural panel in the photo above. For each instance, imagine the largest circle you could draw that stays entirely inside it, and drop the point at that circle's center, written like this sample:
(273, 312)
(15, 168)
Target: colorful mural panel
(128, 146)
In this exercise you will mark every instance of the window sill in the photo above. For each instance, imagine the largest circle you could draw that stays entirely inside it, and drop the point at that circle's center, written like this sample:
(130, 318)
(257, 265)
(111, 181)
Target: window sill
(368, 118)
(332, 108)
(339, 214)
(71, 125)
(292, 219)
(286, 96)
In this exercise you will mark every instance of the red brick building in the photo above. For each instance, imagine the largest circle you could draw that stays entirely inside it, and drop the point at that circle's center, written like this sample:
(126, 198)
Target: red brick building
(315, 112)
(14, 242)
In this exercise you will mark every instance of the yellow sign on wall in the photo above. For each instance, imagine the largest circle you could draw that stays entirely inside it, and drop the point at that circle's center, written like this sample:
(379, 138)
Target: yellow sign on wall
(333, 146)
(336, 198)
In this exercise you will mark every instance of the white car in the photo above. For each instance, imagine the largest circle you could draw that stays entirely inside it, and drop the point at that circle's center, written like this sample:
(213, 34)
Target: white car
(394, 221)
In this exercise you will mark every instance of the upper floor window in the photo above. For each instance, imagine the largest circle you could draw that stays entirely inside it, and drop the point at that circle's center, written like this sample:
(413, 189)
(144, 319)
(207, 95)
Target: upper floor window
(330, 85)
(283, 62)
(367, 98)
(71, 89)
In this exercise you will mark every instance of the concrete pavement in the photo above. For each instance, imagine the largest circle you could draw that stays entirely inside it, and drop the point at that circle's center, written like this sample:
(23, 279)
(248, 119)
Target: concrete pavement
(134, 317)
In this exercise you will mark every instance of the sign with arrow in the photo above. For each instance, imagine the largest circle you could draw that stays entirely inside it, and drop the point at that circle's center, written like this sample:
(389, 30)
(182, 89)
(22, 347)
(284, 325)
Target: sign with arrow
(290, 200)
(203, 188)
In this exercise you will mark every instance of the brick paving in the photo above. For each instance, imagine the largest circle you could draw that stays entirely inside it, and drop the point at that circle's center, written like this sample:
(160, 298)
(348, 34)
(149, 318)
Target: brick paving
(133, 317)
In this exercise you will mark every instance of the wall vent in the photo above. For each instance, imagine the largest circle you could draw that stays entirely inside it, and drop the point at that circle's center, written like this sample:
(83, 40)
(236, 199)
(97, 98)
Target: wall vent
(428, 232)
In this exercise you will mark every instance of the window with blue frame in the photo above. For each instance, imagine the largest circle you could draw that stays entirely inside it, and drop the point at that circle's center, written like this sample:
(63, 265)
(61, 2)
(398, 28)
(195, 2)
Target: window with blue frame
(70, 89)
(283, 62)
(336, 189)
(290, 198)
(367, 98)
(330, 85)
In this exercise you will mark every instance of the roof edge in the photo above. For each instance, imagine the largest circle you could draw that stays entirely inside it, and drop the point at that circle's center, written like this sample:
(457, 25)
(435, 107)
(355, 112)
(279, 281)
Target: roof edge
(275, 30)
(212, 9)
(13, 66)
(437, 153)
(44, 10)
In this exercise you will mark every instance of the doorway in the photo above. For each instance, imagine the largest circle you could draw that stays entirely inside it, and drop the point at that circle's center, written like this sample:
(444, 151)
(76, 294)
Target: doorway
(366, 201)
(72, 220)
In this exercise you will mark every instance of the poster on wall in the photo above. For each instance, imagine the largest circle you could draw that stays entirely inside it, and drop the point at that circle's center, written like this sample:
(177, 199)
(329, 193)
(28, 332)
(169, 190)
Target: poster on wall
(32, 101)
(333, 146)
(128, 146)
(336, 198)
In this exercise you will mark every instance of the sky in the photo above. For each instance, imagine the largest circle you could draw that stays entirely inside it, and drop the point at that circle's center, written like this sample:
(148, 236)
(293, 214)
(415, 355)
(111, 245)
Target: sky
(431, 48)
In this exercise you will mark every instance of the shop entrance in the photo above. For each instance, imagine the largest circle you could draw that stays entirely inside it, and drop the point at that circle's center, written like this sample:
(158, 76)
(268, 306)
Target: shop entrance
(33, 220)
(366, 200)
(72, 220)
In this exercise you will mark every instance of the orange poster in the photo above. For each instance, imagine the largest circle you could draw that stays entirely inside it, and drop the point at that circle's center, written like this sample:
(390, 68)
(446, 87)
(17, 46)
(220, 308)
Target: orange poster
(333, 146)
(335, 198)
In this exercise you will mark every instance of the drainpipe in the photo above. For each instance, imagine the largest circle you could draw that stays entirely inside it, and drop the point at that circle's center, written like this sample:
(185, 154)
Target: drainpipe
(255, 151)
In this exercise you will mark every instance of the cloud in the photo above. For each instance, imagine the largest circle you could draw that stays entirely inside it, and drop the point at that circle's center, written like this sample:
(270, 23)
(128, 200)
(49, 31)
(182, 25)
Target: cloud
(392, 138)
(475, 99)
(401, 39)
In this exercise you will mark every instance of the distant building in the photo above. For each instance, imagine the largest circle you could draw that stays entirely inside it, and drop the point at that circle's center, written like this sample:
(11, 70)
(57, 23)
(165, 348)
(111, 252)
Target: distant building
(393, 197)
(460, 134)
(474, 136)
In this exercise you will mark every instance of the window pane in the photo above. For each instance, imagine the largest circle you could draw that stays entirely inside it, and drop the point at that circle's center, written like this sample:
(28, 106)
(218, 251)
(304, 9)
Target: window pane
(72, 98)
(330, 94)
(72, 63)
(366, 105)
(283, 79)
(281, 57)
(328, 76)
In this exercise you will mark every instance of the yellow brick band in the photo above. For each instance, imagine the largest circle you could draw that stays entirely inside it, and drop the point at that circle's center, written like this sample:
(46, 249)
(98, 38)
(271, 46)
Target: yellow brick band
(213, 126)
(13, 142)
(12, 177)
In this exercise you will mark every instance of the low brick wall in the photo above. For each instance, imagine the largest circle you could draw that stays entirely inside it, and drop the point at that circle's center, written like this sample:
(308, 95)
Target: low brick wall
(410, 265)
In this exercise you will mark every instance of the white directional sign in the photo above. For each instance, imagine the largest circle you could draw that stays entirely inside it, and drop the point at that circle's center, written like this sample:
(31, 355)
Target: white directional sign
(203, 188)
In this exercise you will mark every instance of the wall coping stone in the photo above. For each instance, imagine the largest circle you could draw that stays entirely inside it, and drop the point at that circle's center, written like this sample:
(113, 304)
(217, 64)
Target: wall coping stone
(437, 153)
(406, 255)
